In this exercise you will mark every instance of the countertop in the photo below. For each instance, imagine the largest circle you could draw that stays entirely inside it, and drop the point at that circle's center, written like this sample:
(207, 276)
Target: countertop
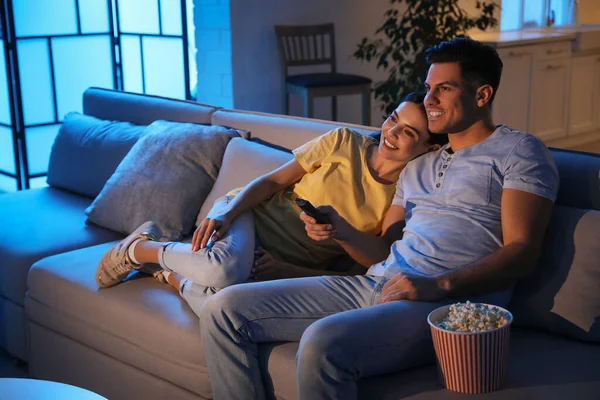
(585, 37)
(521, 38)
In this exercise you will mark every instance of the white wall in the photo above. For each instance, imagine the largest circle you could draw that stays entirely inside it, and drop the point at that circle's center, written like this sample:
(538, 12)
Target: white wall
(256, 63)
(257, 78)
(212, 22)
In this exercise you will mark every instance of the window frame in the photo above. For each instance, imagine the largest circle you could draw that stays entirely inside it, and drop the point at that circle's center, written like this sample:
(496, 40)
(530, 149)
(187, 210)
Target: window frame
(547, 11)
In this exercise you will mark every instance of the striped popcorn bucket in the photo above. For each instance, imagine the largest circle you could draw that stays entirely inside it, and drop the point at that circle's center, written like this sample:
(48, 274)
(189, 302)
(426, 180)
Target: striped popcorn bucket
(470, 362)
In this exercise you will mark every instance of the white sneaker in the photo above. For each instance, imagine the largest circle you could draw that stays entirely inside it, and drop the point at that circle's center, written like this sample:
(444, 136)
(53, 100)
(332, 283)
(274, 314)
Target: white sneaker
(115, 265)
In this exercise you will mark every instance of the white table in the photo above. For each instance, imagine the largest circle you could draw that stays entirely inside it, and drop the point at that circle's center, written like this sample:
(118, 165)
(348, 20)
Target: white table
(34, 389)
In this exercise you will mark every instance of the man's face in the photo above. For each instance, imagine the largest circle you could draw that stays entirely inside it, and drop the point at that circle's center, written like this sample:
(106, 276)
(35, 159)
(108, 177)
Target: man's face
(450, 102)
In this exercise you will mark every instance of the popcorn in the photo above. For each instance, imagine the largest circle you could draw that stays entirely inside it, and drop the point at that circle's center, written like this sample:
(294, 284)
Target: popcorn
(473, 317)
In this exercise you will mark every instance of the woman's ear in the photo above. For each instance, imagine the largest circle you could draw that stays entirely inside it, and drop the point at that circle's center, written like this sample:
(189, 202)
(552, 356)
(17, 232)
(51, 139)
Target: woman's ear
(434, 147)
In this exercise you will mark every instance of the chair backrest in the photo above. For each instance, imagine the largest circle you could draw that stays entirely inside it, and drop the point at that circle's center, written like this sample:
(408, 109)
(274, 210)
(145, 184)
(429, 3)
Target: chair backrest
(302, 45)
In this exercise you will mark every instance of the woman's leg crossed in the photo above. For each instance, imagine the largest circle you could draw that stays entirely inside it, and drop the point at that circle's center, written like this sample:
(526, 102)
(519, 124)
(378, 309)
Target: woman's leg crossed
(226, 263)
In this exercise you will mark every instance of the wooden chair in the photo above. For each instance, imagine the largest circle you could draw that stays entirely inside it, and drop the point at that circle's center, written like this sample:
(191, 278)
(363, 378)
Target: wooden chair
(315, 45)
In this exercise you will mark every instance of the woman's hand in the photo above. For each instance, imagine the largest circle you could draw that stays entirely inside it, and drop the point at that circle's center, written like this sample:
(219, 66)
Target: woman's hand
(218, 224)
(338, 228)
(267, 268)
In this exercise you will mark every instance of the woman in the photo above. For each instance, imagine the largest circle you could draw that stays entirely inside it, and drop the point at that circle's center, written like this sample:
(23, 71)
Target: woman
(257, 232)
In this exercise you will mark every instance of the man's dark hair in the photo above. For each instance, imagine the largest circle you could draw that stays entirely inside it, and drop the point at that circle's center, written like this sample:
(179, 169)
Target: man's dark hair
(479, 63)
(418, 98)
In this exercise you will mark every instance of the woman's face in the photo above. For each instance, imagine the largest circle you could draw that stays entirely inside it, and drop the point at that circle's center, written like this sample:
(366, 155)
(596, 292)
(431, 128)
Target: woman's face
(404, 134)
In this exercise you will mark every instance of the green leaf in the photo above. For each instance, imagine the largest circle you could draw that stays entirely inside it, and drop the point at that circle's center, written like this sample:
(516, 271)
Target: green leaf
(409, 27)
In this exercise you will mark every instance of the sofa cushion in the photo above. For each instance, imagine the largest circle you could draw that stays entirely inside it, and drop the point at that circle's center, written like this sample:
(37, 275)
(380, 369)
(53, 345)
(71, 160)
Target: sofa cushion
(87, 150)
(563, 294)
(143, 109)
(37, 223)
(243, 161)
(269, 144)
(165, 178)
(140, 322)
(579, 173)
(541, 366)
(285, 131)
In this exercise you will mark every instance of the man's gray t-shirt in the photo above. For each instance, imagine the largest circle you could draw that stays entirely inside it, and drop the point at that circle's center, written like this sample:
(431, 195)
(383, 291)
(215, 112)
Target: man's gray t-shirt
(452, 200)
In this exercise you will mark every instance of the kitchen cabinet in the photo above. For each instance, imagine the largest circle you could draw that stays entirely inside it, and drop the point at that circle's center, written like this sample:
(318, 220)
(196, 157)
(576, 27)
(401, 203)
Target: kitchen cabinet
(584, 111)
(511, 104)
(549, 98)
(550, 85)
(534, 89)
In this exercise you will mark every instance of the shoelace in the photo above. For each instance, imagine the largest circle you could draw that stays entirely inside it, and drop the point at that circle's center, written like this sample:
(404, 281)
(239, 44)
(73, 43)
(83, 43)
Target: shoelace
(126, 266)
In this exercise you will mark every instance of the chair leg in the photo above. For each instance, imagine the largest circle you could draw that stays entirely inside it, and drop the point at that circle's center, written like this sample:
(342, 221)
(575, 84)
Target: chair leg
(334, 108)
(308, 105)
(366, 106)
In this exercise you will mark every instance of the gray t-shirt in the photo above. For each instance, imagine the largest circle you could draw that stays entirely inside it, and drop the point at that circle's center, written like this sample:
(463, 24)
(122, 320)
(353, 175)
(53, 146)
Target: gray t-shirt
(452, 200)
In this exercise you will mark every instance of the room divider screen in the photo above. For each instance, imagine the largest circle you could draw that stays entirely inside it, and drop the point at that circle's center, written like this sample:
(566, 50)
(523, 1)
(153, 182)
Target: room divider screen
(54, 50)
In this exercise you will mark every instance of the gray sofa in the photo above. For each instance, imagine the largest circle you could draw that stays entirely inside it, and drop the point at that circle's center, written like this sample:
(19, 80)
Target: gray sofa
(139, 340)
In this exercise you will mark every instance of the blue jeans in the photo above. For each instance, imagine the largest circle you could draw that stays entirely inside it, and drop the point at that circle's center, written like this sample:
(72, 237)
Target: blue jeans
(228, 262)
(344, 334)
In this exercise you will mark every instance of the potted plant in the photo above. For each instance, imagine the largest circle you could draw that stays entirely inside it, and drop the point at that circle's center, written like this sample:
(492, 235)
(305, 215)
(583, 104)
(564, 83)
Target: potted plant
(400, 42)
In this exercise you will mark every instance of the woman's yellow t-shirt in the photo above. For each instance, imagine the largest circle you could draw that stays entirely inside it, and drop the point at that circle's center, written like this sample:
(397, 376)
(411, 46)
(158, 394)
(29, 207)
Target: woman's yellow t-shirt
(336, 174)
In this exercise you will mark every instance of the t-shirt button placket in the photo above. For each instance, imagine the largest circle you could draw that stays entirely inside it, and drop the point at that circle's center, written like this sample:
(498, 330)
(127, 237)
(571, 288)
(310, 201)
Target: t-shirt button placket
(440, 177)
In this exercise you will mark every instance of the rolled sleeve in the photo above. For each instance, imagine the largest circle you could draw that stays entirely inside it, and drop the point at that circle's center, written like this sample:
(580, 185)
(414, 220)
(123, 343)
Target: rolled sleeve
(530, 168)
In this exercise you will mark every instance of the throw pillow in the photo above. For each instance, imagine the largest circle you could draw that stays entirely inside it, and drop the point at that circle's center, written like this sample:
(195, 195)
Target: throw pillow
(562, 295)
(87, 151)
(243, 161)
(165, 178)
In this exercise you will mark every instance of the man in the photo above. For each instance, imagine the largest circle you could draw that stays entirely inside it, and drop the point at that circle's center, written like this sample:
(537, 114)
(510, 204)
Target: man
(473, 217)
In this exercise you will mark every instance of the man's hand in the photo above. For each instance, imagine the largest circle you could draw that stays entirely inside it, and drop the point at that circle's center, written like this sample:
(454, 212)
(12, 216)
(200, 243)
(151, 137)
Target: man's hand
(411, 286)
(338, 229)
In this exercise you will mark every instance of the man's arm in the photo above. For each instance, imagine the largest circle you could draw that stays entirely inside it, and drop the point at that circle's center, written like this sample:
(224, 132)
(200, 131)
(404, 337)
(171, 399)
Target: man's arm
(525, 217)
(364, 248)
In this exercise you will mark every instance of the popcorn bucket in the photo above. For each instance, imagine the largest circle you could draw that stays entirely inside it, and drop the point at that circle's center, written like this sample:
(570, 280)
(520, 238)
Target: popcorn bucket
(470, 362)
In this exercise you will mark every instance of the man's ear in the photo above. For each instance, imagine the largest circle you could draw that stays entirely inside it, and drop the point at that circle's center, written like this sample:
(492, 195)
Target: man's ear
(484, 94)
(434, 147)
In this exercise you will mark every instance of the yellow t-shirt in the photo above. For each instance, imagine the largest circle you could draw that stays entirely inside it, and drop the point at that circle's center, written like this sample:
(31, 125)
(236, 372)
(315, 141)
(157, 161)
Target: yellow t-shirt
(338, 175)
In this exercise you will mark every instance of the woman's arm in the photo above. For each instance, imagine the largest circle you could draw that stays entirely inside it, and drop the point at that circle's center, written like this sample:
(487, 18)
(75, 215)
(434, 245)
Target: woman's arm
(254, 193)
(262, 187)
(365, 248)
(368, 249)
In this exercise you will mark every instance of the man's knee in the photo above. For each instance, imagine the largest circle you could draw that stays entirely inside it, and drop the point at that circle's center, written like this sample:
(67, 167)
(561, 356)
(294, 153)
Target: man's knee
(217, 306)
(322, 346)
